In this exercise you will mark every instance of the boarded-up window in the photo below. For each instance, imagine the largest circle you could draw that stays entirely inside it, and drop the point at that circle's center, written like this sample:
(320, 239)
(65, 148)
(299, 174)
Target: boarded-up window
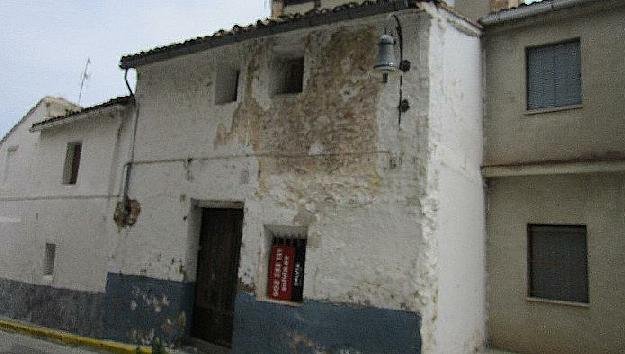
(72, 163)
(48, 263)
(554, 75)
(558, 262)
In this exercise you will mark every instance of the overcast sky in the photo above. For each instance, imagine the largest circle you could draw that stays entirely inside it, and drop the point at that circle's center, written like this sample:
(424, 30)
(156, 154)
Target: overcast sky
(44, 44)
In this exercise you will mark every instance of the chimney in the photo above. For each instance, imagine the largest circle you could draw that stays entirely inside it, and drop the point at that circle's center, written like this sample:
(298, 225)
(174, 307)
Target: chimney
(474, 9)
(496, 5)
(277, 8)
(290, 7)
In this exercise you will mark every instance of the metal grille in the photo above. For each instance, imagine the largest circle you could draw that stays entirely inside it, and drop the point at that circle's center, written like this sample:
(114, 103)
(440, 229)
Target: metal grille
(286, 268)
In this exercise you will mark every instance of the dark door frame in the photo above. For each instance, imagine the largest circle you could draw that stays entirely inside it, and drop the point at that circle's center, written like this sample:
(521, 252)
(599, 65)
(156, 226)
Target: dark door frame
(234, 215)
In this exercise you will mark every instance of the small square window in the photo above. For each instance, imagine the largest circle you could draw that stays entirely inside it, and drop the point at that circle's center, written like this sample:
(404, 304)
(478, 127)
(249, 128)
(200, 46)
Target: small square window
(72, 163)
(554, 76)
(289, 76)
(558, 262)
(48, 263)
(287, 257)
(227, 85)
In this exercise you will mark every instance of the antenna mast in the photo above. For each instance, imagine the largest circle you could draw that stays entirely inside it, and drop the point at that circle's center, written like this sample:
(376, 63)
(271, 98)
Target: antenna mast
(83, 78)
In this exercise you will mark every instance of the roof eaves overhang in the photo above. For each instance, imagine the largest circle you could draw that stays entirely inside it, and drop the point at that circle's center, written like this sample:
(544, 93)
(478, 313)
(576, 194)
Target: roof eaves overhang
(527, 11)
(239, 34)
(542, 168)
(75, 117)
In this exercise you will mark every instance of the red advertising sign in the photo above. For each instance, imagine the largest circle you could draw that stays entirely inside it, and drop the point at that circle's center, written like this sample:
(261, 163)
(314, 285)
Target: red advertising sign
(281, 266)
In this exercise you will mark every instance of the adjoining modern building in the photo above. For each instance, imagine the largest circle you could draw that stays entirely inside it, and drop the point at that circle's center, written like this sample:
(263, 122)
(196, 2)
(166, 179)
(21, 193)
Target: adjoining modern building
(554, 161)
(316, 182)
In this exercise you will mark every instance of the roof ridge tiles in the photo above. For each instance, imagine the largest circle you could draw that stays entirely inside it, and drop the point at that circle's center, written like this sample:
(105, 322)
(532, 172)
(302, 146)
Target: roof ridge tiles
(224, 37)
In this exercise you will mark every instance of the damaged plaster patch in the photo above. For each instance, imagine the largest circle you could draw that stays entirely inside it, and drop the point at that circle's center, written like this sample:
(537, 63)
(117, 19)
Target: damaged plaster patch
(304, 217)
(314, 122)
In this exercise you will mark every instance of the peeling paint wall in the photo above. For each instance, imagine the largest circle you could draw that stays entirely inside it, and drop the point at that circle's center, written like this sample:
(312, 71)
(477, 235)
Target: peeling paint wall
(320, 159)
(315, 158)
(333, 158)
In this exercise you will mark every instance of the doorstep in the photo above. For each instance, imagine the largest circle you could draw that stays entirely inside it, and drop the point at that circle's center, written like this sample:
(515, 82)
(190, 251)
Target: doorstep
(198, 346)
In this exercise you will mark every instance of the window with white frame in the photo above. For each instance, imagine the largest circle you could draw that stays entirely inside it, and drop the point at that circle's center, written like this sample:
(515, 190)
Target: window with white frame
(554, 76)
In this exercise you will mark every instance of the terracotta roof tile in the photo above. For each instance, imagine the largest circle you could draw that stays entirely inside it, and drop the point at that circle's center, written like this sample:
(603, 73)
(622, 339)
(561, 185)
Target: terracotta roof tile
(115, 101)
(270, 26)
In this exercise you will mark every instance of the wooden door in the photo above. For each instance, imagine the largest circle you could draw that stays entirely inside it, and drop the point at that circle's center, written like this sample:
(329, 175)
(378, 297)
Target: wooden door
(218, 264)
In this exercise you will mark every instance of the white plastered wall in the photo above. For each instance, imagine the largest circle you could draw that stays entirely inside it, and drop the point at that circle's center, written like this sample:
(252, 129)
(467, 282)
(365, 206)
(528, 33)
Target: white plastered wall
(363, 226)
(77, 218)
(455, 210)
(367, 241)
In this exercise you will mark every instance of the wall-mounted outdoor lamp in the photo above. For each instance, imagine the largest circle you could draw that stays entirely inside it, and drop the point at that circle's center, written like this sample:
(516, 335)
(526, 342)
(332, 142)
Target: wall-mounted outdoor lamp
(387, 62)
(386, 56)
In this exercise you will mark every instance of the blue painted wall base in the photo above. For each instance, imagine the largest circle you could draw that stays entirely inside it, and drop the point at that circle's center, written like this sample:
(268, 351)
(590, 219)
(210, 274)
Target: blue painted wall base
(266, 327)
(139, 309)
(74, 311)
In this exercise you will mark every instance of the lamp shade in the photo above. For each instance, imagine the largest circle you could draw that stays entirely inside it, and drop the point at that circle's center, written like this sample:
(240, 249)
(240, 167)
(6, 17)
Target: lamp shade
(386, 54)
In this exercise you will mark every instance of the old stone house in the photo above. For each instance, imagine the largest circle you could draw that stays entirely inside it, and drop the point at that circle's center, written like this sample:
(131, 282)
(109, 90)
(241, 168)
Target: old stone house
(266, 189)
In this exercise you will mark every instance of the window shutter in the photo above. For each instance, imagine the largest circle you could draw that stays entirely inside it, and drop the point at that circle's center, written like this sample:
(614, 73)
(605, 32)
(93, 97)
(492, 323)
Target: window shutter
(568, 74)
(558, 262)
(554, 76)
(540, 78)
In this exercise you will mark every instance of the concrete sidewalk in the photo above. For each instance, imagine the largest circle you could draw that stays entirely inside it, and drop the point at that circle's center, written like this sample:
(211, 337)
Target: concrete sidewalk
(14, 343)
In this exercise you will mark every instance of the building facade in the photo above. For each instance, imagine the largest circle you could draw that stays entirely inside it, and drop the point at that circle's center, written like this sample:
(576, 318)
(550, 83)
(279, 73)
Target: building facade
(247, 159)
(554, 148)
(55, 206)
(266, 190)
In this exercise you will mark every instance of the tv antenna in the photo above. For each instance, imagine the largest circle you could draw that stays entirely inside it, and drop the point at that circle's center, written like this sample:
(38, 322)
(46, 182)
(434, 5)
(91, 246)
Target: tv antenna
(84, 77)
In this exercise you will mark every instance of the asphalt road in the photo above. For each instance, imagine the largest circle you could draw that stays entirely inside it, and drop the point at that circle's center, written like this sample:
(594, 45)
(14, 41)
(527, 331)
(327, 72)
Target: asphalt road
(13, 343)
